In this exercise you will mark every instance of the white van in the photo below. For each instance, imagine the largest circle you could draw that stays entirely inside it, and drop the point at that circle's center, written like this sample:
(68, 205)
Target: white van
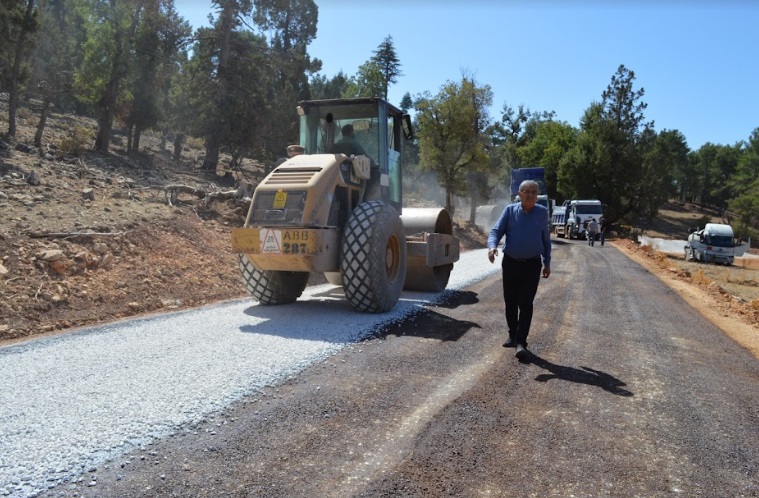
(714, 244)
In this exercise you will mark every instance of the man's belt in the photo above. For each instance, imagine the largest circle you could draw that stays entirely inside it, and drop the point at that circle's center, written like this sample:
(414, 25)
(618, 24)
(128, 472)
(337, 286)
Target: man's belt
(528, 260)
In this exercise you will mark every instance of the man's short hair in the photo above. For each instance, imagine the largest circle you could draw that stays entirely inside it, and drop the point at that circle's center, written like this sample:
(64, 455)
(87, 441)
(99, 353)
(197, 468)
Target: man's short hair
(347, 130)
(529, 183)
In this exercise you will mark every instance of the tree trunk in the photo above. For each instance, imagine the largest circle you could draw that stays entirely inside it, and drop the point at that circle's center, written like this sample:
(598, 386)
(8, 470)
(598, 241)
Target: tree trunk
(130, 130)
(213, 140)
(17, 59)
(107, 103)
(105, 114)
(136, 141)
(43, 121)
(178, 141)
(213, 144)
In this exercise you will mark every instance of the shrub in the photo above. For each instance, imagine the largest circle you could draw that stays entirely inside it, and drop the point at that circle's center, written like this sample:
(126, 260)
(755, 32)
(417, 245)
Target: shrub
(24, 113)
(700, 278)
(75, 143)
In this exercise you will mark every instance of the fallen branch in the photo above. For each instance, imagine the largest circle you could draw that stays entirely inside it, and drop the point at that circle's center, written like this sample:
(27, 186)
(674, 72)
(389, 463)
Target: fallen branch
(215, 196)
(65, 235)
(171, 192)
(36, 294)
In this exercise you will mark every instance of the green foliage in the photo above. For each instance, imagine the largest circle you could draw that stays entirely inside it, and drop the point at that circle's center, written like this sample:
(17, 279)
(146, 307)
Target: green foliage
(665, 154)
(368, 82)
(406, 102)
(18, 25)
(375, 75)
(715, 165)
(389, 64)
(452, 136)
(329, 88)
(160, 37)
(549, 143)
(747, 169)
(607, 160)
(746, 208)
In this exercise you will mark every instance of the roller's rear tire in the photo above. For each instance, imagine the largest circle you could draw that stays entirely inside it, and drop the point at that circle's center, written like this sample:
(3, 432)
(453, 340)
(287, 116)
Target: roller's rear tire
(272, 287)
(373, 264)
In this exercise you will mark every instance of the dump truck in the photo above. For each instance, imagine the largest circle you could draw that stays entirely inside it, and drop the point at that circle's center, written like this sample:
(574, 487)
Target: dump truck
(715, 243)
(335, 207)
(569, 219)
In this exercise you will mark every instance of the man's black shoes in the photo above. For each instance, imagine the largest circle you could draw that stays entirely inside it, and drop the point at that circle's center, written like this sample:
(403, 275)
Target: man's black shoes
(509, 342)
(521, 352)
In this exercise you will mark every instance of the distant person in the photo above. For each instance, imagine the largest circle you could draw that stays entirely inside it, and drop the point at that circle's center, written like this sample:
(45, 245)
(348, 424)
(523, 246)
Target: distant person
(602, 229)
(592, 231)
(348, 144)
(524, 224)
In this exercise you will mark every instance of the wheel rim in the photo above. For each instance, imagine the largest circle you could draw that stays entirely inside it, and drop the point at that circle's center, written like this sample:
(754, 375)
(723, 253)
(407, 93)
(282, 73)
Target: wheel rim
(393, 258)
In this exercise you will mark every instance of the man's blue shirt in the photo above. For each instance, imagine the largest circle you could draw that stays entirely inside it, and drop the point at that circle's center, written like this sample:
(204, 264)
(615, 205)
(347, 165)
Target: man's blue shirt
(527, 234)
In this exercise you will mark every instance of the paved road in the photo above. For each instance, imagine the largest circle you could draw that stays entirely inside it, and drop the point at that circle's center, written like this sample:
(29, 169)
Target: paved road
(629, 393)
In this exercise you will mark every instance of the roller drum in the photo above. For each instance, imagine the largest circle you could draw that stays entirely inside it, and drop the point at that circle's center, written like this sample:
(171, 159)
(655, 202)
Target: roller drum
(419, 276)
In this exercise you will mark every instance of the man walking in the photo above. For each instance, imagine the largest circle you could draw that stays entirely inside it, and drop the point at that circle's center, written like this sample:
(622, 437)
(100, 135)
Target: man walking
(592, 231)
(525, 226)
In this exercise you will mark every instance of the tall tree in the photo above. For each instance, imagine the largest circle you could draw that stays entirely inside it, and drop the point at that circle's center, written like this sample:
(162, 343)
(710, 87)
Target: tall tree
(229, 12)
(111, 26)
(21, 22)
(290, 26)
(607, 160)
(160, 37)
(451, 134)
(406, 102)
(51, 63)
(716, 164)
(388, 63)
(745, 184)
(374, 76)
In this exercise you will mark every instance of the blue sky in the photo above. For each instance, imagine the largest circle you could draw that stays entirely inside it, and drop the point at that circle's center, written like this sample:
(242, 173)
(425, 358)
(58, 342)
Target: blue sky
(698, 61)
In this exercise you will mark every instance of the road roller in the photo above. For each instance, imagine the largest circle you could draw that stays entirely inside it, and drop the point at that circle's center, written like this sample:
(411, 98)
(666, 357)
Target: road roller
(335, 207)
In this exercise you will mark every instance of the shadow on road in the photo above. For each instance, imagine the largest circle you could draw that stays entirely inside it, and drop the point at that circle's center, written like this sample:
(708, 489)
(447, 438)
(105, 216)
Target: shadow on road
(431, 325)
(455, 298)
(582, 375)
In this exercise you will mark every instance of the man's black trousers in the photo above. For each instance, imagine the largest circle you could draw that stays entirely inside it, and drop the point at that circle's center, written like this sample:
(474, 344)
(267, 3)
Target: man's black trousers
(520, 284)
